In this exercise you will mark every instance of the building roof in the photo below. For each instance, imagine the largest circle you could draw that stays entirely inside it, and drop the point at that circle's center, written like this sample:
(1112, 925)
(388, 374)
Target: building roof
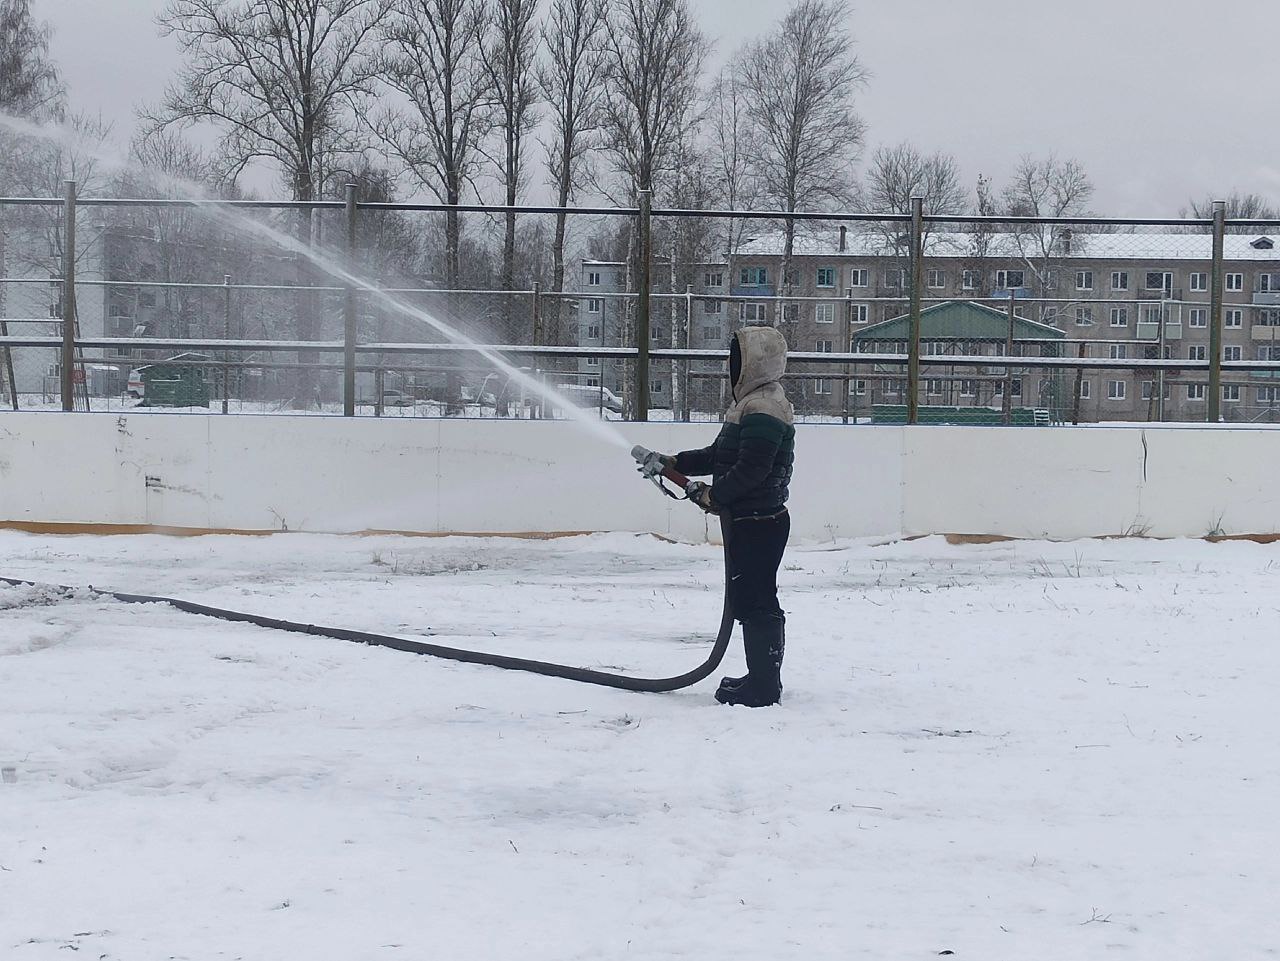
(864, 242)
(960, 320)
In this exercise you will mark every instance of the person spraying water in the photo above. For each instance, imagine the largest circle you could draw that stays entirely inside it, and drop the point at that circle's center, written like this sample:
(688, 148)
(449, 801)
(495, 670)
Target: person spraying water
(750, 464)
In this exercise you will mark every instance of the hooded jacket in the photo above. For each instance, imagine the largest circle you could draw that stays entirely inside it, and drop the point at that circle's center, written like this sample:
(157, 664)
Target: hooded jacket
(752, 458)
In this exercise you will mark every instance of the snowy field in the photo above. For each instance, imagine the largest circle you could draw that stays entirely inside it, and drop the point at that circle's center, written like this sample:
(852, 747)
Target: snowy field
(1013, 751)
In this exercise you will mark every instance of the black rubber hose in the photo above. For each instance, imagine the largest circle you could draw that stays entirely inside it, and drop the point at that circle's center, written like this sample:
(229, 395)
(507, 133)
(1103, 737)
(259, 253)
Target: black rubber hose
(586, 676)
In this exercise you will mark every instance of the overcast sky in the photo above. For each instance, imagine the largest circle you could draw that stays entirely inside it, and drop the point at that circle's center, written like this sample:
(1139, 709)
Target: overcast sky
(1159, 99)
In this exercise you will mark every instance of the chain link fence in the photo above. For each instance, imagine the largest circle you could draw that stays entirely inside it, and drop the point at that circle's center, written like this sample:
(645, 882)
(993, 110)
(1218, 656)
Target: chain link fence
(340, 307)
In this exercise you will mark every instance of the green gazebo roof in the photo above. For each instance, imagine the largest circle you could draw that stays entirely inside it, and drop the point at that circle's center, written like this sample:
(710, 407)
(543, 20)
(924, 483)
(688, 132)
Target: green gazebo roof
(960, 320)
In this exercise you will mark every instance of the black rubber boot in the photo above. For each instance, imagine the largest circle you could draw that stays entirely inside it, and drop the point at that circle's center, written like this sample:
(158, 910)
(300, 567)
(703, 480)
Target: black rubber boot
(765, 640)
(733, 683)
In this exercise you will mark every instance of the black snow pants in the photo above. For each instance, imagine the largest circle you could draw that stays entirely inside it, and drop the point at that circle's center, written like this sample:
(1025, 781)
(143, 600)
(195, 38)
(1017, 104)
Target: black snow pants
(755, 547)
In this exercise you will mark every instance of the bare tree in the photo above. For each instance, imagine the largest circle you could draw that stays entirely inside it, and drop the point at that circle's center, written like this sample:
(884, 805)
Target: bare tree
(1046, 188)
(510, 59)
(29, 82)
(801, 81)
(897, 174)
(29, 87)
(1239, 206)
(433, 56)
(654, 54)
(570, 84)
(735, 177)
(277, 78)
(653, 61)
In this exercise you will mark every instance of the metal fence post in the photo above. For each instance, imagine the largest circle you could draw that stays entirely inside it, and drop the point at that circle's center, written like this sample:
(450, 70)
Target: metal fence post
(539, 333)
(1215, 312)
(642, 307)
(349, 310)
(913, 340)
(681, 367)
(226, 335)
(1006, 408)
(68, 295)
(847, 344)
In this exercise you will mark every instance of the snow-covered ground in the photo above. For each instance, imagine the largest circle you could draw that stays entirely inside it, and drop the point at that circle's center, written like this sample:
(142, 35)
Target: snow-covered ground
(1023, 751)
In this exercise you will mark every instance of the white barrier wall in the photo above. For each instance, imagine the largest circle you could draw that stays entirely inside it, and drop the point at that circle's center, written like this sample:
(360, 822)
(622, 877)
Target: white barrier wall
(332, 474)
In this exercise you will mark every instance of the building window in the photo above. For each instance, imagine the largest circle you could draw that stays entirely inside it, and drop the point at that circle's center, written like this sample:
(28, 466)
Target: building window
(826, 277)
(858, 277)
(593, 305)
(971, 279)
(822, 386)
(1267, 318)
(895, 277)
(593, 331)
(1084, 280)
(859, 314)
(1231, 392)
(823, 347)
(1151, 315)
(1117, 390)
(1235, 281)
(655, 387)
(1158, 280)
(968, 388)
(859, 388)
(1119, 317)
(712, 333)
(1268, 283)
(712, 306)
(1234, 317)
(1195, 391)
(1198, 317)
(1197, 352)
(593, 361)
(1199, 282)
(1232, 352)
(1084, 316)
(752, 313)
(593, 278)
(1268, 395)
(1009, 279)
(937, 278)
(824, 314)
(933, 388)
(1119, 352)
(754, 276)
(1119, 280)
(1085, 390)
(790, 313)
(593, 381)
(713, 279)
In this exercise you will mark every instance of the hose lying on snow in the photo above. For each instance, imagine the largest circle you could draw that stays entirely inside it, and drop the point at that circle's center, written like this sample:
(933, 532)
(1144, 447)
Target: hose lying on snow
(586, 676)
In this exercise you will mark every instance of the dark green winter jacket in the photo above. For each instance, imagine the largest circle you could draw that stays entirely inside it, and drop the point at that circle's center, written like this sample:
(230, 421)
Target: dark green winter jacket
(751, 461)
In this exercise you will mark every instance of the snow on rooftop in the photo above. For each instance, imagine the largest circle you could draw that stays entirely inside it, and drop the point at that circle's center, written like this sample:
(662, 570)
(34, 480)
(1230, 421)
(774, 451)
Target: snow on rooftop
(1111, 246)
(1019, 750)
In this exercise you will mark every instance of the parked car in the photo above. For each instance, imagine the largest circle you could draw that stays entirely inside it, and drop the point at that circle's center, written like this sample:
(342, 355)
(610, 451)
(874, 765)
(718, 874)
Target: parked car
(136, 388)
(396, 398)
(583, 396)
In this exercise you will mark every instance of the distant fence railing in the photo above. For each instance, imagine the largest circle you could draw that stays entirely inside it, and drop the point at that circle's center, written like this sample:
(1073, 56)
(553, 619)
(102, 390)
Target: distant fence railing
(923, 371)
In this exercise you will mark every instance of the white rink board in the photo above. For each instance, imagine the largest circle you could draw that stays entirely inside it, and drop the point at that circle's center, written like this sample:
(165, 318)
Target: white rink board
(331, 474)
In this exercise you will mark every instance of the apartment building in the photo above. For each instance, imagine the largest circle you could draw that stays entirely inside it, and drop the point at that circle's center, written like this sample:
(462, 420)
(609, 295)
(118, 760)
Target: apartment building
(1120, 295)
(697, 311)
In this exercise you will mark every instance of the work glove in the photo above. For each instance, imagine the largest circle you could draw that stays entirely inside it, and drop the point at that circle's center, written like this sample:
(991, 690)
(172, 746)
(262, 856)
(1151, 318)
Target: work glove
(700, 494)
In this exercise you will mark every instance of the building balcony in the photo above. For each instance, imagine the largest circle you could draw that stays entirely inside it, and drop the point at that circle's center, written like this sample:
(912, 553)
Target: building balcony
(1266, 297)
(1150, 330)
(1265, 333)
